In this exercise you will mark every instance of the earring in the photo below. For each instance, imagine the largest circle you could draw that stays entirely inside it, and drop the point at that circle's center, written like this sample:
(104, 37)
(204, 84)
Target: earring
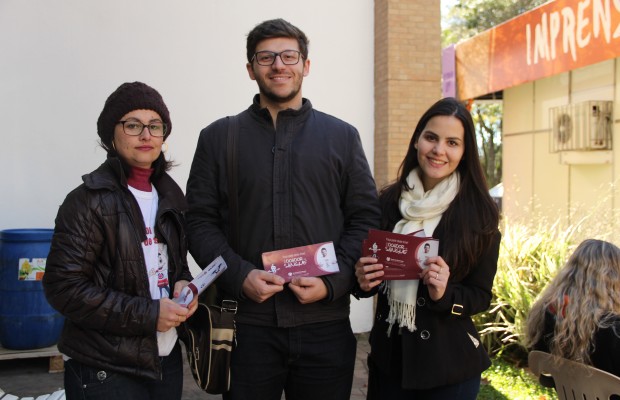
(164, 149)
(113, 147)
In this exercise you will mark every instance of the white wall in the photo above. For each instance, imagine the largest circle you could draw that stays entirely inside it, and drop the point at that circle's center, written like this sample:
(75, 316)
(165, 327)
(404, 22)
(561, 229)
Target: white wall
(59, 60)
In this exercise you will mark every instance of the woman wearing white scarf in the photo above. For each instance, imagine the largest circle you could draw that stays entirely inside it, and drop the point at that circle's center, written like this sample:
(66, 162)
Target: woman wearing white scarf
(420, 210)
(423, 343)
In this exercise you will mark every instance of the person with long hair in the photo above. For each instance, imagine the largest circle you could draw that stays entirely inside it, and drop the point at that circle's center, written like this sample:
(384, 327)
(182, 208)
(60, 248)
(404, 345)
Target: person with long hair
(577, 315)
(423, 343)
(118, 257)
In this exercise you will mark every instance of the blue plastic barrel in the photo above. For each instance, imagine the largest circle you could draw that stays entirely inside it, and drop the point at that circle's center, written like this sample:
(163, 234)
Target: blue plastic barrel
(27, 321)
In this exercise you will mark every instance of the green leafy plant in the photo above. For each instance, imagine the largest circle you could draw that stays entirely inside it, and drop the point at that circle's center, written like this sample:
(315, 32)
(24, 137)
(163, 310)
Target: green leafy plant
(531, 253)
(529, 257)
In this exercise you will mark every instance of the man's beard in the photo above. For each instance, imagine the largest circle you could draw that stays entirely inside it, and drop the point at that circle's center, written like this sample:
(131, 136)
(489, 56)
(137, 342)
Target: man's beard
(271, 96)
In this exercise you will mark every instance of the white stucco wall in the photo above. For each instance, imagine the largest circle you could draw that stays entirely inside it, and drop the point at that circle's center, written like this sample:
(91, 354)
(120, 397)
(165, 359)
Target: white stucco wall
(59, 60)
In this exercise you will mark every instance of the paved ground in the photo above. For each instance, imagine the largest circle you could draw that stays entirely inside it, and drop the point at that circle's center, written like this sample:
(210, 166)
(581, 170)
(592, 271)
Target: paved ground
(30, 377)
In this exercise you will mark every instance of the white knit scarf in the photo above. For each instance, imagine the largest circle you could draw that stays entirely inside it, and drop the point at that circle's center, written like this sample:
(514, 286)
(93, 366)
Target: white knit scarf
(420, 210)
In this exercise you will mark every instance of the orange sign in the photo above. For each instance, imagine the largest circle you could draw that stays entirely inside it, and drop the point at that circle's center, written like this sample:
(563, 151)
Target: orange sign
(556, 37)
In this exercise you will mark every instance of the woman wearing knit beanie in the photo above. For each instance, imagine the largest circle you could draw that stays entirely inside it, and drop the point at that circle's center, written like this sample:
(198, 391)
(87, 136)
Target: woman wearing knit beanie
(118, 258)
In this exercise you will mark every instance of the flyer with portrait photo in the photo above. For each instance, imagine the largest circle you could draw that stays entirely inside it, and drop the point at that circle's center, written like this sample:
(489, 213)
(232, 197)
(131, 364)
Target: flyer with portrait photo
(311, 260)
(402, 256)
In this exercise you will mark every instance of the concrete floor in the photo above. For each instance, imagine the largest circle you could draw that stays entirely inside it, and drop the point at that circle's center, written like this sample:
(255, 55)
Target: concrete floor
(30, 377)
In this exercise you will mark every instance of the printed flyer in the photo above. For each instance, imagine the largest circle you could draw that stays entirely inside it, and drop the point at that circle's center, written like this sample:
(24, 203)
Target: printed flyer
(311, 260)
(201, 281)
(402, 256)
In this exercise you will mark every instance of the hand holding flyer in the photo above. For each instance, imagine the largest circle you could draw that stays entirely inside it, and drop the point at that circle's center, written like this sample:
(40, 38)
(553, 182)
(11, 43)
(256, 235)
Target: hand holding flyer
(311, 260)
(402, 256)
(201, 281)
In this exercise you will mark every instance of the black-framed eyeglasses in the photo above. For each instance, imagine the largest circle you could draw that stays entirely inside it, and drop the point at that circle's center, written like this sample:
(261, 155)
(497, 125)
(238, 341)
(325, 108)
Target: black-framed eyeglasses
(135, 128)
(267, 58)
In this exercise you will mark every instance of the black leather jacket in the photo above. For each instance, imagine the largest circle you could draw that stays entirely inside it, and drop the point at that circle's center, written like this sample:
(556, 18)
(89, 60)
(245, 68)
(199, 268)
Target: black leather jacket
(96, 276)
(605, 346)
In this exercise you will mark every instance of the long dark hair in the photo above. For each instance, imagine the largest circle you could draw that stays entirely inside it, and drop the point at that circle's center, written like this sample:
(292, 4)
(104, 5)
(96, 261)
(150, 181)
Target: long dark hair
(471, 220)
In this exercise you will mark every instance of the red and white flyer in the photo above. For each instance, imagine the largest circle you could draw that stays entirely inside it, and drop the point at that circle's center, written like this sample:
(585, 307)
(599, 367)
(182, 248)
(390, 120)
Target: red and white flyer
(311, 260)
(402, 256)
(201, 281)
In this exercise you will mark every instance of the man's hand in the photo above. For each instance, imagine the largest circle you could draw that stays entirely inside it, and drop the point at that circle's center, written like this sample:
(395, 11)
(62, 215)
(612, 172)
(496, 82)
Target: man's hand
(260, 285)
(308, 289)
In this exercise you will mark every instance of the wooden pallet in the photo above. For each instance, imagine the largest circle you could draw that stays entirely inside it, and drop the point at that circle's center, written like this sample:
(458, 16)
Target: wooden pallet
(57, 395)
(56, 362)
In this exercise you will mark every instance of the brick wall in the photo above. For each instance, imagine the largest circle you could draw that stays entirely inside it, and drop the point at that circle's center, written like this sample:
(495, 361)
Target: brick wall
(407, 76)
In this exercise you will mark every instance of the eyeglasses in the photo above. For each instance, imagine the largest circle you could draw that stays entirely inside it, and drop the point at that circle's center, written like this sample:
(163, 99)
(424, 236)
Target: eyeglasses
(267, 58)
(135, 128)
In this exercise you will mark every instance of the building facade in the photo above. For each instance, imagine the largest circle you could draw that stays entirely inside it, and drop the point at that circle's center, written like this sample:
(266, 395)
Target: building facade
(558, 67)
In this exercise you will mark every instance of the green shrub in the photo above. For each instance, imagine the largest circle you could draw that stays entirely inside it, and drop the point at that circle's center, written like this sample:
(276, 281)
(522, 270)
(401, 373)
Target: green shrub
(530, 255)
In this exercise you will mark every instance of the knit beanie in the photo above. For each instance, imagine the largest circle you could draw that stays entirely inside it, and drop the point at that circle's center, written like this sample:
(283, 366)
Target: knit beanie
(128, 97)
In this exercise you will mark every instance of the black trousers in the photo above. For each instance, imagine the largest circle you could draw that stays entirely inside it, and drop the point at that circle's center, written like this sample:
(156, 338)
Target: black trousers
(309, 362)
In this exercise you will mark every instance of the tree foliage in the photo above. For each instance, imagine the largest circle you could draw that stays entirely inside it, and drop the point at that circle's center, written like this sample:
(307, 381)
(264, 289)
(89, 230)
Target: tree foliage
(487, 118)
(465, 19)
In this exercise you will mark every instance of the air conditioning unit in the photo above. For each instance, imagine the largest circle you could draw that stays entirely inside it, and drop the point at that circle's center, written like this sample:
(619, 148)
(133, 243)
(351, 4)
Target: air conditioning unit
(581, 127)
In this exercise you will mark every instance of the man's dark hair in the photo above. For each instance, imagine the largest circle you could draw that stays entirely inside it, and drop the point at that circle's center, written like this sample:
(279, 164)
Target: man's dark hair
(275, 28)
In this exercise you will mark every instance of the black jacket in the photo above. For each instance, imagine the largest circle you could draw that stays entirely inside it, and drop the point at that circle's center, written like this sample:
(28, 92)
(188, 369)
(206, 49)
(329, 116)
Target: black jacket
(605, 352)
(96, 276)
(305, 182)
(445, 349)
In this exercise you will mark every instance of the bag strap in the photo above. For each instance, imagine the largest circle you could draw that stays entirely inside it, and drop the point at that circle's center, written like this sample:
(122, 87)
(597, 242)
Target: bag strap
(233, 201)
(210, 295)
